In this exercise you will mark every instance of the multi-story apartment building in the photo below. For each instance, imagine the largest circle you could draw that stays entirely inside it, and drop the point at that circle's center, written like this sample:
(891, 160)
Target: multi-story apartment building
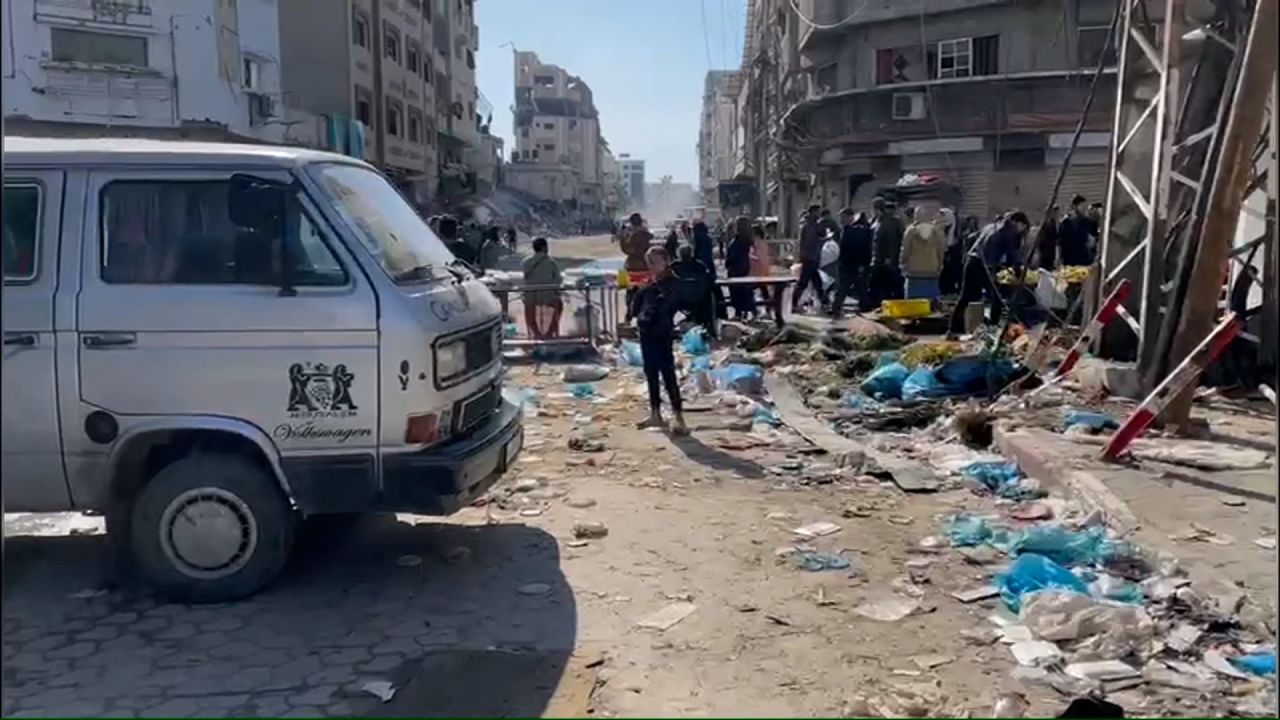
(984, 94)
(204, 69)
(717, 133)
(632, 172)
(367, 66)
(456, 38)
(764, 160)
(558, 147)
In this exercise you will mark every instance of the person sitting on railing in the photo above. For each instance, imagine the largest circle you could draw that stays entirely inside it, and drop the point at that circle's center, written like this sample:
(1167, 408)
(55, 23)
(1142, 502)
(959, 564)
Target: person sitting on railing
(541, 269)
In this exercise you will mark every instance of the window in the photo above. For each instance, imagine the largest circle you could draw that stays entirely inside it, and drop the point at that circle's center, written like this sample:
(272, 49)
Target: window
(359, 28)
(428, 69)
(471, 60)
(535, 153)
(1089, 44)
(411, 57)
(21, 228)
(955, 58)
(549, 147)
(415, 126)
(544, 80)
(252, 75)
(825, 78)
(180, 233)
(524, 132)
(986, 55)
(391, 42)
(548, 126)
(471, 110)
(885, 71)
(98, 48)
(364, 106)
(573, 124)
(395, 117)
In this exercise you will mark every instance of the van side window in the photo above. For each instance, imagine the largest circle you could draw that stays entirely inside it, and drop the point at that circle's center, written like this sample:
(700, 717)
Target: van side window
(180, 233)
(22, 205)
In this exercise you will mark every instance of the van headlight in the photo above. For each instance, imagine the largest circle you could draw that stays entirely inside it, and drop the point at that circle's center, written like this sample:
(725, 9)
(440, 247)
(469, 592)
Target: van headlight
(451, 360)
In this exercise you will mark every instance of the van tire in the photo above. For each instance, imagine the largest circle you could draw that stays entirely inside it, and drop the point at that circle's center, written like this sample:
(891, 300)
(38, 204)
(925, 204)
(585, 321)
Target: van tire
(246, 529)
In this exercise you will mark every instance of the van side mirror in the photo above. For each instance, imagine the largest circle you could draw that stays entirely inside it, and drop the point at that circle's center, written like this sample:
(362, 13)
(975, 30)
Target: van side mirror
(262, 205)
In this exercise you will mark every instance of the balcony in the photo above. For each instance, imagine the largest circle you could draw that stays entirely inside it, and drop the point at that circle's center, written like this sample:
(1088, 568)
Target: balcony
(129, 13)
(1019, 103)
(837, 16)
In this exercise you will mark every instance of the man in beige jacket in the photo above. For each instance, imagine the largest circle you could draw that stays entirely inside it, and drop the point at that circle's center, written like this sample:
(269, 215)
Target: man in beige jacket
(924, 247)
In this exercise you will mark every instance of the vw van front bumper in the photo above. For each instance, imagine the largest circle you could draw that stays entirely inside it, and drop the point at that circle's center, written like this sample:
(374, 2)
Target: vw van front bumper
(443, 480)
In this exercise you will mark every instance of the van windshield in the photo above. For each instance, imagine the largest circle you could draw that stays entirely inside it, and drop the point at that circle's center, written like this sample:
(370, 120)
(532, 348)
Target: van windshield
(389, 227)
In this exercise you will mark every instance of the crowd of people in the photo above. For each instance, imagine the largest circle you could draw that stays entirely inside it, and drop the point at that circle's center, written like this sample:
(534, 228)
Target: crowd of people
(923, 253)
(477, 244)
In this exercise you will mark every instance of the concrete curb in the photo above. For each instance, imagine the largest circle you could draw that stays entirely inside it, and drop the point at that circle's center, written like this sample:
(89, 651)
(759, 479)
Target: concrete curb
(1028, 452)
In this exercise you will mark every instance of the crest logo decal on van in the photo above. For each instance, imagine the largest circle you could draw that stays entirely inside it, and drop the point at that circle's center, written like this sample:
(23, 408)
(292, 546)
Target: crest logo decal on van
(318, 391)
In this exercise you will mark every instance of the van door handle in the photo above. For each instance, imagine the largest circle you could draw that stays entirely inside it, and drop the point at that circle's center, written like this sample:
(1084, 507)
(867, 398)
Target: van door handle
(23, 339)
(106, 340)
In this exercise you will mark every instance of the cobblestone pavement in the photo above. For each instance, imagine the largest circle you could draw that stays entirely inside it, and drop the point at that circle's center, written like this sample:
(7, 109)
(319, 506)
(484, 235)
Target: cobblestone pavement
(355, 605)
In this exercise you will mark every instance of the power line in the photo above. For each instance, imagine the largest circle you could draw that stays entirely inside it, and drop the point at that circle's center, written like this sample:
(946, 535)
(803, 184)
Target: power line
(832, 26)
(706, 38)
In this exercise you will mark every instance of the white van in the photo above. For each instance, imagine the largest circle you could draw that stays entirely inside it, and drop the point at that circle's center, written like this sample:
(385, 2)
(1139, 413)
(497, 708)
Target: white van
(205, 342)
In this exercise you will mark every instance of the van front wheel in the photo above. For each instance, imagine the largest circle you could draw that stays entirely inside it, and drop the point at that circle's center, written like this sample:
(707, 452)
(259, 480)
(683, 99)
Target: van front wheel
(211, 528)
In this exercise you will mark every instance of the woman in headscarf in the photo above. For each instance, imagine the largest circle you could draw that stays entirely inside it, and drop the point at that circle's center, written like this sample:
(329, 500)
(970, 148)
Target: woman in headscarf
(737, 263)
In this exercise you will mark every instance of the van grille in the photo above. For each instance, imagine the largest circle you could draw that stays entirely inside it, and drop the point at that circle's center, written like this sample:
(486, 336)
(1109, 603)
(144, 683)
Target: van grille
(478, 408)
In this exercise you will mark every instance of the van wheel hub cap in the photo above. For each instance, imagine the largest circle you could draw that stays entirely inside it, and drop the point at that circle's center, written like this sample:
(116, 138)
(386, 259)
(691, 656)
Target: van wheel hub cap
(208, 533)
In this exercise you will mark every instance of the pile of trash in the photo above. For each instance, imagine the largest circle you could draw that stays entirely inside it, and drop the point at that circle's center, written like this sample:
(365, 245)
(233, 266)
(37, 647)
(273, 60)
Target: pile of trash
(1087, 613)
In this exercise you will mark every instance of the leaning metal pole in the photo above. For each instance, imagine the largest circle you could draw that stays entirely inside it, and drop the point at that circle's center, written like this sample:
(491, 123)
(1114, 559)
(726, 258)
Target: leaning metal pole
(1235, 167)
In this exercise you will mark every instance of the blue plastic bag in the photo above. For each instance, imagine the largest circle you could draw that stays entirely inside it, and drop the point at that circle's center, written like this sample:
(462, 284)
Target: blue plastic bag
(525, 396)
(631, 354)
(994, 476)
(582, 390)
(766, 416)
(971, 531)
(858, 401)
(1263, 663)
(1032, 573)
(1064, 546)
(510, 330)
(972, 373)
(886, 381)
(968, 531)
(922, 384)
(888, 357)
(745, 379)
(701, 363)
(818, 561)
(1093, 421)
(694, 341)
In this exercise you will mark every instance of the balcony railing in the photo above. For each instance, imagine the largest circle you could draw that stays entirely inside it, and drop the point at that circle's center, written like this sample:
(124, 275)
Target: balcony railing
(975, 106)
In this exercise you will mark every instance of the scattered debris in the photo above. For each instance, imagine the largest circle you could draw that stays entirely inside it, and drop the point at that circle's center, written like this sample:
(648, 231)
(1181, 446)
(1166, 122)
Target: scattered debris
(777, 620)
(1035, 653)
(1266, 543)
(534, 589)
(1010, 705)
(888, 609)
(929, 662)
(578, 443)
(1101, 670)
(584, 373)
(524, 485)
(1200, 533)
(456, 555)
(590, 530)
(816, 561)
(976, 594)
(380, 689)
(667, 617)
(581, 503)
(1219, 663)
(817, 529)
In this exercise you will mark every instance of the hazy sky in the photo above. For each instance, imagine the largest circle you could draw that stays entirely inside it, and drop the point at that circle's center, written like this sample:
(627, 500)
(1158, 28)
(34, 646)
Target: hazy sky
(645, 61)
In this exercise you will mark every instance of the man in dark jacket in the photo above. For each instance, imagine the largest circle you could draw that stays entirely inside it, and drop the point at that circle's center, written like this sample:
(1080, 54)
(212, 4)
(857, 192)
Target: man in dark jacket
(1077, 235)
(998, 247)
(855, 257)
(812, 235)
(1047, 241)
(460, 248)
(886, 247)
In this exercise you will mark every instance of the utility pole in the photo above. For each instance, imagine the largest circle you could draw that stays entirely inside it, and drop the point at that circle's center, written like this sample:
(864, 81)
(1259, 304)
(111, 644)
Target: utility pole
(1235, 166)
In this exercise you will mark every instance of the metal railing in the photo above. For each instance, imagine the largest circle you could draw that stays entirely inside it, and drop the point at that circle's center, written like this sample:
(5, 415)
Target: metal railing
(590, 312)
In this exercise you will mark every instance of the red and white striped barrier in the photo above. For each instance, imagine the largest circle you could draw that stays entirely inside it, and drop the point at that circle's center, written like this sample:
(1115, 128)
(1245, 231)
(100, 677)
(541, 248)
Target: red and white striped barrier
(1108, 312)
(1187, 372)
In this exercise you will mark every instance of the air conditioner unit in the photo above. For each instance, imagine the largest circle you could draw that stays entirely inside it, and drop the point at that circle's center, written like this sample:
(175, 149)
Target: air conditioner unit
(263, 106)
(908, 106)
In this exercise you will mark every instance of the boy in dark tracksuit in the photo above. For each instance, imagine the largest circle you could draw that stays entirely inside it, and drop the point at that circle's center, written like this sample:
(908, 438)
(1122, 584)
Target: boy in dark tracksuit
(654, 308)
